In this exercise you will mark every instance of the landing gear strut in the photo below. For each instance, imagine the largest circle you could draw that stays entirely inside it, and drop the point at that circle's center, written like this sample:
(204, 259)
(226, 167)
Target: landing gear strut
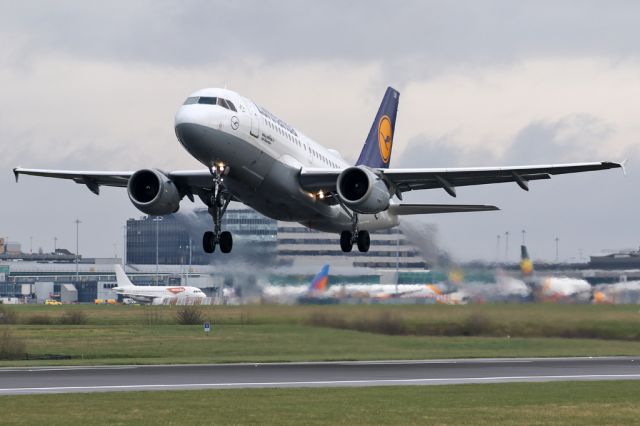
(218, 203)
(349, 238)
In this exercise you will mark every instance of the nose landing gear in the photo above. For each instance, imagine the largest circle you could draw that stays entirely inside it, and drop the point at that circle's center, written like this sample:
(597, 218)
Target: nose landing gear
(219, 201)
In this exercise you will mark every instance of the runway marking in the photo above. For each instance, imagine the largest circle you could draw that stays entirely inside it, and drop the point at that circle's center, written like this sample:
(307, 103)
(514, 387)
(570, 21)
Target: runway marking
(45, 369)
(319, 382)
(305, 363)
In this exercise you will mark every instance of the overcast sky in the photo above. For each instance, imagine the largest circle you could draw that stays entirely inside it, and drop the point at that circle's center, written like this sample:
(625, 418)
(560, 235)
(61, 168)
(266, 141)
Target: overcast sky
(94, 85)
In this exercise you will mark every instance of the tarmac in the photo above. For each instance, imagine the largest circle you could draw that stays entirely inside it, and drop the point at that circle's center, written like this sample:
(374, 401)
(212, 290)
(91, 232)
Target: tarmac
(39, 380)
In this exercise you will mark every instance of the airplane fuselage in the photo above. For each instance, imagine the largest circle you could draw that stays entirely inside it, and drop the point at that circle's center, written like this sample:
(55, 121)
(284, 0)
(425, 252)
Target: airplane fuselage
(265, 156)
(151, 294)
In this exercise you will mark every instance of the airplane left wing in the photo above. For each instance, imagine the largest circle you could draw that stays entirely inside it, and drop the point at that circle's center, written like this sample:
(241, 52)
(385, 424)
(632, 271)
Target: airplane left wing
(402, 180)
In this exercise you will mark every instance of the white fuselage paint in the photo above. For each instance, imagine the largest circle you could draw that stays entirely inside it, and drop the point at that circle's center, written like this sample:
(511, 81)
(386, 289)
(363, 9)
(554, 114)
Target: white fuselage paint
(157, 294)
(265, 156)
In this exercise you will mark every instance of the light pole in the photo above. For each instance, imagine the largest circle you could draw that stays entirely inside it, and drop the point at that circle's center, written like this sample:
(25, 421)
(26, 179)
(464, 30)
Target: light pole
(523, 234)
(397, 259)
(557, 251)
(31, 245)
(190, 251)
(55, 244)
(506, 246)
(77, 222)
(157, 221)
(498, 249)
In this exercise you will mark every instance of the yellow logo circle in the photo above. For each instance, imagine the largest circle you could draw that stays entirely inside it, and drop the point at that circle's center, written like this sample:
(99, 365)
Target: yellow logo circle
(385, 138)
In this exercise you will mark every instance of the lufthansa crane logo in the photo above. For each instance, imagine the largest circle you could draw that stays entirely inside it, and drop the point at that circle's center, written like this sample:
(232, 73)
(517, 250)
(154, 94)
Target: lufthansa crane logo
(235, 122)
(385, 138)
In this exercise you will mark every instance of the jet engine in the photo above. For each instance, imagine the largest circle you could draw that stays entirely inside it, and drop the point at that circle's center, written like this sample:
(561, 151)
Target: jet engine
(362, 191)
(153, 193)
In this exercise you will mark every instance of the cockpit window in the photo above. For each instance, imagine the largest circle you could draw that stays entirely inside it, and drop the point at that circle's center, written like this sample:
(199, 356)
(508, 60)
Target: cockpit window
(208, 100)
(224, 103)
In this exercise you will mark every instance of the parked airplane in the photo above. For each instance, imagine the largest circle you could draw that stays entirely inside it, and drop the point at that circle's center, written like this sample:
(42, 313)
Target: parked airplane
(320, 291)
(314, 292)
(153, 294)
(553, 288)
(256, 158)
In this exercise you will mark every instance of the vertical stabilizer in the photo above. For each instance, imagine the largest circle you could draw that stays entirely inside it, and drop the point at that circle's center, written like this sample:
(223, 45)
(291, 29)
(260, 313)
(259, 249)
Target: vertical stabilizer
(320, 282)
(526, 265)
(121, 277)
(376, 152)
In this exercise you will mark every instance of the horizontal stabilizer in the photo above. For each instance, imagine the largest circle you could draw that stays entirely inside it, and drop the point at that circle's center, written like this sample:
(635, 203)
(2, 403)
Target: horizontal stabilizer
(405, 209)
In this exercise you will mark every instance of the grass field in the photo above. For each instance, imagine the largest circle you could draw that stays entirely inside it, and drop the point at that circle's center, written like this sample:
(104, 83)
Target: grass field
(579, 403)
(137, 334)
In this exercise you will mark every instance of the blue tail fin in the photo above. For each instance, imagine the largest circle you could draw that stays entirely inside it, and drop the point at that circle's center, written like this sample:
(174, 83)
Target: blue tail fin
(376, 152)
(320, 282)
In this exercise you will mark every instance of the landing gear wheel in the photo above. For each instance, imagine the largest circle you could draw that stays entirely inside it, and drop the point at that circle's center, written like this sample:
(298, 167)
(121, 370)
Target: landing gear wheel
(345, 241)
(226, 242)
(209, 242)
(218, 202)
(364, 241)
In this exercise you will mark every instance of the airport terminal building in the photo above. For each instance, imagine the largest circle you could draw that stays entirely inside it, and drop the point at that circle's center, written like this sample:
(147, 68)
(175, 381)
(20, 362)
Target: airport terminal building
(257, 239)
(168, 251)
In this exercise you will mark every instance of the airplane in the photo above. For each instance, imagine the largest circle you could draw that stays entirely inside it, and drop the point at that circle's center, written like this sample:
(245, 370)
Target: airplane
(320, 291)
(316, 290)
(254, 157)
(154, 295)
(552, 288)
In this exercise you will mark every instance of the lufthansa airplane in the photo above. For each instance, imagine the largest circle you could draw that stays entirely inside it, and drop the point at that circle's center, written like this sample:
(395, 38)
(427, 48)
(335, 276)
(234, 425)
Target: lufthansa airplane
(254, 157)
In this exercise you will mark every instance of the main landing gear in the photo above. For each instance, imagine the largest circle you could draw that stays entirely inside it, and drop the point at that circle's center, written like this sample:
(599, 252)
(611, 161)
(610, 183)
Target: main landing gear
(219, 201)
(349, 238)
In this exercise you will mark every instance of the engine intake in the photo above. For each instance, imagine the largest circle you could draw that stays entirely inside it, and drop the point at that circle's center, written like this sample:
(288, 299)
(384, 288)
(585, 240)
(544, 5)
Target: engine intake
(362, 191)
(153, 193)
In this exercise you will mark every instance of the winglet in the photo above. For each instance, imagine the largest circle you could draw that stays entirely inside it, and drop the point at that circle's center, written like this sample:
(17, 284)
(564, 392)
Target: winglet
(623, 164)
(16, 173)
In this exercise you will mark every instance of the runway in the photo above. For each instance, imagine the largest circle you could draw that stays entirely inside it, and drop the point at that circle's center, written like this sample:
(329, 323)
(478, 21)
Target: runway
(15, 381)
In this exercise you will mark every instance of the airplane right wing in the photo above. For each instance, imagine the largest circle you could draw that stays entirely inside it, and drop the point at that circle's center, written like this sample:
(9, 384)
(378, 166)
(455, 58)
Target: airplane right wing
(189, 182)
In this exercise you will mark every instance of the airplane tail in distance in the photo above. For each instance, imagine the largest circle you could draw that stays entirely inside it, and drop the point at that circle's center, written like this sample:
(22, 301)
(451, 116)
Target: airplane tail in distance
(121, 277)
(320, 282)
(376, 152)
(526, 265)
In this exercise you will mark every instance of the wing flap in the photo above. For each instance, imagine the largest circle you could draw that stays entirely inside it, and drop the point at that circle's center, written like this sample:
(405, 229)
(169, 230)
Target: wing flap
(407, 209)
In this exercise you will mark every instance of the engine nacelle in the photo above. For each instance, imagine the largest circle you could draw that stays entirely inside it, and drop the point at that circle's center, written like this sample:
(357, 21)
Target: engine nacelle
(153, 193)
(362, 191)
